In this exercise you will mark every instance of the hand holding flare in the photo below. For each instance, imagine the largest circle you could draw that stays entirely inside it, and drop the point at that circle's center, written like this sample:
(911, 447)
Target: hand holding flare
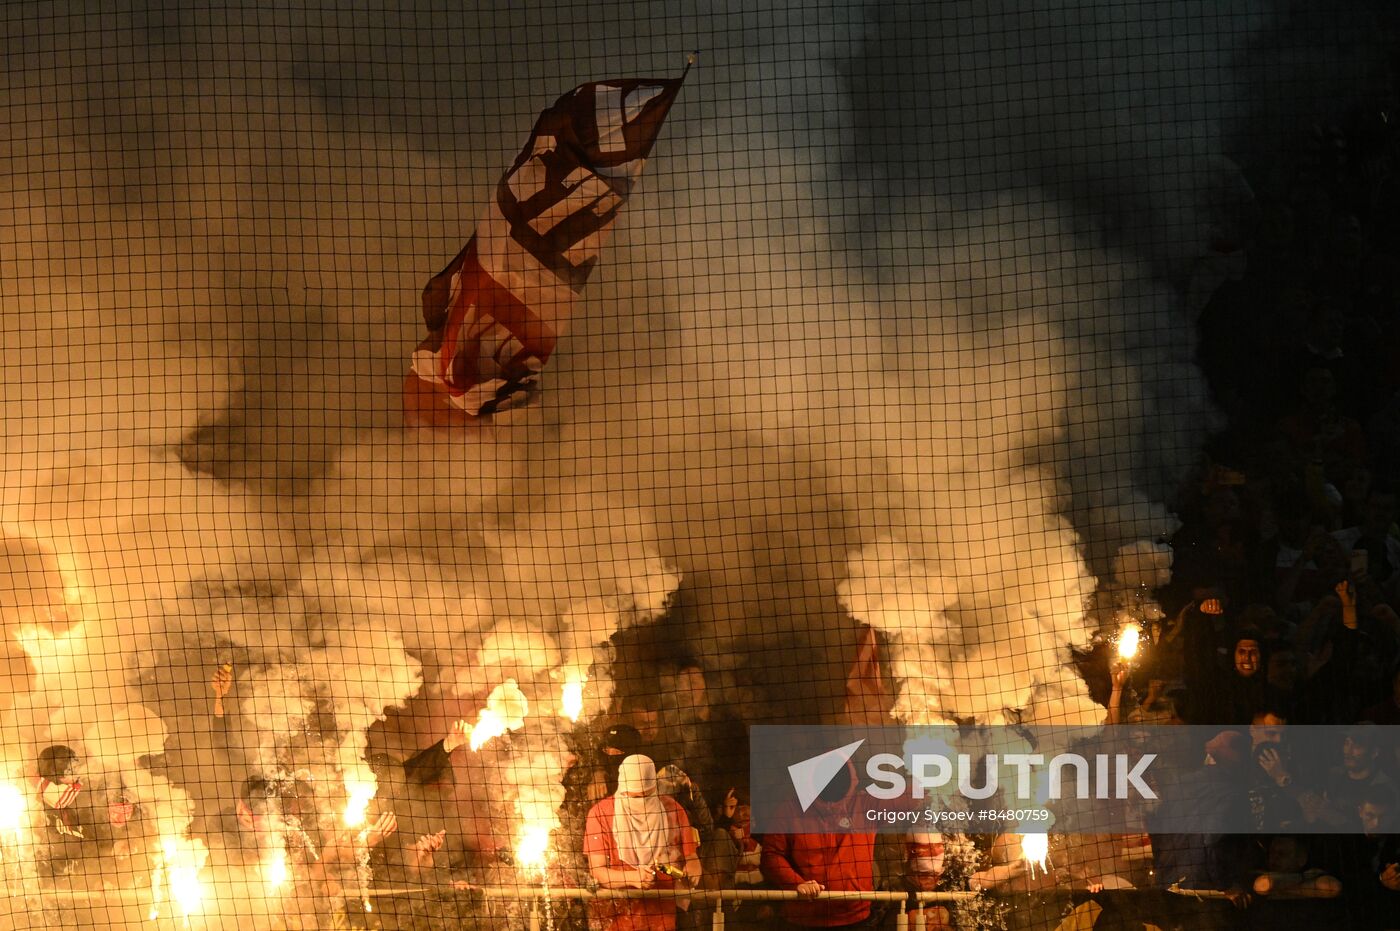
(673, 871)
(387, 823)
(457, 735)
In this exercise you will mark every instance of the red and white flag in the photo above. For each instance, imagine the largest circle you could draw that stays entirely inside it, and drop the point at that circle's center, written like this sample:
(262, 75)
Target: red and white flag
(58, 794)
(496, 311)
(868, 701)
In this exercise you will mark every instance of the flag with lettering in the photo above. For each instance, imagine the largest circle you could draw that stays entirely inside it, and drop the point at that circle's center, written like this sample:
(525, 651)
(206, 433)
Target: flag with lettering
(495, 313)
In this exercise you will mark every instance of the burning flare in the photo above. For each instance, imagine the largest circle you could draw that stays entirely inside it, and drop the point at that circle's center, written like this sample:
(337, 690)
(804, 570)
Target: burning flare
(361, 792)
(571, 702)
(13, 808)
(489, 726)
(532, 850)
(275, 870)
(506, 708)
(176, 876)
(1035, 849)
(1128, 640)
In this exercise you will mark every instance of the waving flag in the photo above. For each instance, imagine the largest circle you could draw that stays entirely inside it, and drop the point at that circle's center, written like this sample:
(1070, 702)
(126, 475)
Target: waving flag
(868, 701)
(496, 311)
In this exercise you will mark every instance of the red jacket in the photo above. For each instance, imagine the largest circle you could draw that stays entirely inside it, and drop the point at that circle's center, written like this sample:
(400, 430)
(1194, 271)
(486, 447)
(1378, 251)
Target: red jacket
(839, 861)
(636, 914)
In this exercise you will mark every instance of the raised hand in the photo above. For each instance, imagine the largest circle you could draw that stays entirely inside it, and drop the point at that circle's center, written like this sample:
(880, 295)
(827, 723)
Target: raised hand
(221, 682)
(1272, 763)
(1119, 676)
(1347, 593)
(426, 846)
(387, 823)
(457, 735)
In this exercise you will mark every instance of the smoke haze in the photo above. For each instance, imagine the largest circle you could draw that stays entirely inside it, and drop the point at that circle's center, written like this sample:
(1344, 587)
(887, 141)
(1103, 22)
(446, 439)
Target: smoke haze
(894, 332)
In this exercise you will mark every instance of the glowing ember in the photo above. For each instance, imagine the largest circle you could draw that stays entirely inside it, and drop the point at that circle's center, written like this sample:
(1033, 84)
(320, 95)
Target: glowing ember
(1128, 642)
(13, 808)
(1035, 848)
(571, 703)
(361, 791)
(533, 847)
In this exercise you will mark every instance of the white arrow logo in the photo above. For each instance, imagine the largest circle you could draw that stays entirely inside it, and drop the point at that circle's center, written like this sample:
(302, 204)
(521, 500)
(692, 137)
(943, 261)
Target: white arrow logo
(814, 774)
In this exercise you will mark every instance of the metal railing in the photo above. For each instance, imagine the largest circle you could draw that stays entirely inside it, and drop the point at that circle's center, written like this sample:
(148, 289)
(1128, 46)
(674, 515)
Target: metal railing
(536, 895)
(719, 897)
(527, 893)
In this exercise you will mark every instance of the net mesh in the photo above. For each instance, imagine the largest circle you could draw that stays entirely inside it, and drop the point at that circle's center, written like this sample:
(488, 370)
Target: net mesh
(930, 337)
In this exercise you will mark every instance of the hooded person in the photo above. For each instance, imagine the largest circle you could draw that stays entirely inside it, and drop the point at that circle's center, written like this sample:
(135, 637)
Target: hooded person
(591, 776)
(837, 860)
(638, 838)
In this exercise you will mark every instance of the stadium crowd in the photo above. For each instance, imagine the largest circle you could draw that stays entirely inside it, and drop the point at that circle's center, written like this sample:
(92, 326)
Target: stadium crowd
(1283, 610)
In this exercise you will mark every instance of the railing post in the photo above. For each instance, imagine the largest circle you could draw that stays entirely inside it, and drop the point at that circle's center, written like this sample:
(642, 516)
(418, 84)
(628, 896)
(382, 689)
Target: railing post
(717, 916)
(901, 918)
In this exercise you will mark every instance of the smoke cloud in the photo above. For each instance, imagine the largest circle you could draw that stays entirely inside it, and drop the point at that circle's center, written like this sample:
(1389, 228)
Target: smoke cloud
(895, 333)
